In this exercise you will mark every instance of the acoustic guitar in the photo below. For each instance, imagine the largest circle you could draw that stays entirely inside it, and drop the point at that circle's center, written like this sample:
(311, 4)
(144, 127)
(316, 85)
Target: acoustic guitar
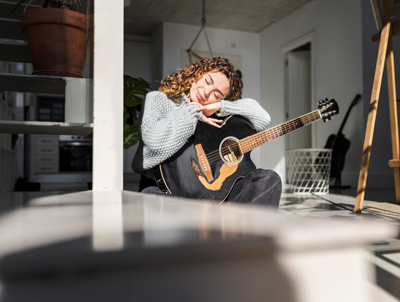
(340, 145)
(213, 159)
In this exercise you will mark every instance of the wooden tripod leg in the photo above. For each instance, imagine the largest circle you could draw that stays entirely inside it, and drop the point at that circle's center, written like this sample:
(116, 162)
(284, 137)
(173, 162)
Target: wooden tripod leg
(373, 107)
(393, 115)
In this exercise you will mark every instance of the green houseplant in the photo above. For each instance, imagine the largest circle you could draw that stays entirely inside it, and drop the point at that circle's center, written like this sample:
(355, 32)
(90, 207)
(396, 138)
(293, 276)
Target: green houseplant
(135, 90)
(56, 36)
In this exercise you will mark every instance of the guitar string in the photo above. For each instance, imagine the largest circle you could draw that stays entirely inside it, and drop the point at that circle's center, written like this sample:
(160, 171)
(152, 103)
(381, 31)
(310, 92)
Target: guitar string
(236, 148)
(263, 137)
(251, 142)
(273, 133)
(269, 134)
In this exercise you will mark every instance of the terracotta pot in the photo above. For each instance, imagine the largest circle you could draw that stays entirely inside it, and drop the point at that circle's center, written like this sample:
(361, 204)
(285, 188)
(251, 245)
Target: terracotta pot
(56, 40)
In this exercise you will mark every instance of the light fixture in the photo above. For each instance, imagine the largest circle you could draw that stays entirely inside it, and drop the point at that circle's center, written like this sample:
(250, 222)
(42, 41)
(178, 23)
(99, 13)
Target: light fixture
(203, 28)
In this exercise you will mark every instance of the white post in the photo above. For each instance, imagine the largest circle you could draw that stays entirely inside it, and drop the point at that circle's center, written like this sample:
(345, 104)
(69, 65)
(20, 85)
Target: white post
(108, 230)
(108, 95)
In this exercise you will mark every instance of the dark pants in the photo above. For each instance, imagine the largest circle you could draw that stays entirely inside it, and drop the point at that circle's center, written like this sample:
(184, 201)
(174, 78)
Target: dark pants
(261, 187)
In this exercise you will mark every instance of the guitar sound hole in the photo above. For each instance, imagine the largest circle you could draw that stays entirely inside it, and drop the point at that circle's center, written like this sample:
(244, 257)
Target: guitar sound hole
(230, 151)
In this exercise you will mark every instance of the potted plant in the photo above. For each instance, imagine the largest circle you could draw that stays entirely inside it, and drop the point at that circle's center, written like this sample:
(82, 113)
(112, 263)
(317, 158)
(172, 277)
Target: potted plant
(135, 90)
(56, 36)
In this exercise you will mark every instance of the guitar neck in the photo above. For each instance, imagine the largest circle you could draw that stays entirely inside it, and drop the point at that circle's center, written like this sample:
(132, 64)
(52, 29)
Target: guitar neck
(251, 142)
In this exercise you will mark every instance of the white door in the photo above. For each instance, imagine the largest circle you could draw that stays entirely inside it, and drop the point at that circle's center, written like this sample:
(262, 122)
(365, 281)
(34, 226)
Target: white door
(298, 93)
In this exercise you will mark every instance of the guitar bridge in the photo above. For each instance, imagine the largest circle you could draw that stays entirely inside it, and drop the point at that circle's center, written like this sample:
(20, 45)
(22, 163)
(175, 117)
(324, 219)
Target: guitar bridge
(203, 161)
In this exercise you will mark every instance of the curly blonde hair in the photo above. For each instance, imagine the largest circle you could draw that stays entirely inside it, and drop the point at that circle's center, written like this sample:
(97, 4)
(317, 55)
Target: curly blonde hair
(175, 85)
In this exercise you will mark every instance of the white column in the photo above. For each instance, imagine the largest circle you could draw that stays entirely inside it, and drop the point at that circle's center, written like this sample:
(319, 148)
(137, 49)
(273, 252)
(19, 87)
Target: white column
(108, 95)
(108, 230)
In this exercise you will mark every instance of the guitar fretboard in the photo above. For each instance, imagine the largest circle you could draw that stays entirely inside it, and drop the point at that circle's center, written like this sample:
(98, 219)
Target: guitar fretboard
(251, 142)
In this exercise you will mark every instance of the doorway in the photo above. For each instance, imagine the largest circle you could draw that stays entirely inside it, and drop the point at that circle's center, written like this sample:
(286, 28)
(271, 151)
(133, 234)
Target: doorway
(298, 93)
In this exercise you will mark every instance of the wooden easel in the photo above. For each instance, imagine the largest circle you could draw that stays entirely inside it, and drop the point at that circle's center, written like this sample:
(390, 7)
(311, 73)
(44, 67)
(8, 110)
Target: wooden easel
(389, 27)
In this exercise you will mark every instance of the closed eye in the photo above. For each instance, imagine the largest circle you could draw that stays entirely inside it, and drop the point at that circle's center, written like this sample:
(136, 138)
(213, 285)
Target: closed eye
(218, 96)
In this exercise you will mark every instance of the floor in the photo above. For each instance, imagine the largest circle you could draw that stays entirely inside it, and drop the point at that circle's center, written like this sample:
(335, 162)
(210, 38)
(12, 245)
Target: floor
(339, 203)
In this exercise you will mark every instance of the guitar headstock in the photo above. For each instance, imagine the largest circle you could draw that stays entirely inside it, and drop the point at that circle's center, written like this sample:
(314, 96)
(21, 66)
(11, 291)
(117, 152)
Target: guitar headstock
(328, 108)
(355, 100)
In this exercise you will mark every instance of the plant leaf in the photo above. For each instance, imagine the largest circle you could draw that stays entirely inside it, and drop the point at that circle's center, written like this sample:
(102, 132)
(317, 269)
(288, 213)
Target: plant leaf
(16, 7)
(131, 137)
(135, 90)
(46, 3)
(132, 100)
(126, 117)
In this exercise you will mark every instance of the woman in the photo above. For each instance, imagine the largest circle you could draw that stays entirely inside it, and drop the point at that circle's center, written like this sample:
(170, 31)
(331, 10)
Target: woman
(170, 116)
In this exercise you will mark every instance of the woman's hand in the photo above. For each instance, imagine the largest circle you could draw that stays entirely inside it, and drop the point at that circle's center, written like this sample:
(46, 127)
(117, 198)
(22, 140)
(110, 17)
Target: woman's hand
(211, 121)
(207, 110)
(210, 109)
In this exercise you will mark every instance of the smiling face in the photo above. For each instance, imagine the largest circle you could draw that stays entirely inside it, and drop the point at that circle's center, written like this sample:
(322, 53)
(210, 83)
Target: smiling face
(211, 88)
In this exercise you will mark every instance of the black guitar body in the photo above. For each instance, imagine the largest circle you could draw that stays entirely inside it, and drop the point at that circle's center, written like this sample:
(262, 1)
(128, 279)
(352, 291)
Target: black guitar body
(181, 178)
(339, 145)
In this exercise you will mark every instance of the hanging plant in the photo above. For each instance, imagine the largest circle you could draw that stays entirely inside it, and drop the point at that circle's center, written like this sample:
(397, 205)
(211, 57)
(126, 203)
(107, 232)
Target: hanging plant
(135, 89)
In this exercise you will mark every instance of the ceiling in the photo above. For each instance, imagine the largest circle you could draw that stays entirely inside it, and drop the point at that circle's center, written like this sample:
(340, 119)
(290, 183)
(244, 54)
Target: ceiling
(142, 17)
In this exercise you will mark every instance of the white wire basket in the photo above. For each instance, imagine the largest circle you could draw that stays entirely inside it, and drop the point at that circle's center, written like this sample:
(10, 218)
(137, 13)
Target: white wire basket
(308, 170)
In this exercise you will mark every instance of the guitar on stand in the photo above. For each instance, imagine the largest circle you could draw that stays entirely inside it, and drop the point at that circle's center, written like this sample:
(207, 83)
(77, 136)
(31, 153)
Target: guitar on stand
(340, 145)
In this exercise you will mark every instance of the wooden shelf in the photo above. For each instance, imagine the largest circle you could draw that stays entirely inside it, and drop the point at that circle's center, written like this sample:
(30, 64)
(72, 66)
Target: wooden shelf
(35, 127)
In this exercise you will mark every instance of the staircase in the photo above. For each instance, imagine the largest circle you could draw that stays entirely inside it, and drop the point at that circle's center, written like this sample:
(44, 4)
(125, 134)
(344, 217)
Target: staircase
(18, 91)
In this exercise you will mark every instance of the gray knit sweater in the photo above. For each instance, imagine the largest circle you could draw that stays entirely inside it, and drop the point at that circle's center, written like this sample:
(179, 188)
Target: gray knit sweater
(165, 126)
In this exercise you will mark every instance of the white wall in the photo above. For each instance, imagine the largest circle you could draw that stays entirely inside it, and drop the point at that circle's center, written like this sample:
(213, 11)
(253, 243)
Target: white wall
(137, 63)
(157, 56)
(137, 59)
(337, 73)
(178, 37)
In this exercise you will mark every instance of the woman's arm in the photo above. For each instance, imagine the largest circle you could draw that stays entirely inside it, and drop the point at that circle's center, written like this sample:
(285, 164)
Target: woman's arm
(248, 108)
(165, 127)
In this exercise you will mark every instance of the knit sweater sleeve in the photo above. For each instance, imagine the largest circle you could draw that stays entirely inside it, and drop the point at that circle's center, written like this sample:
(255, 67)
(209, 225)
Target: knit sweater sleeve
(165, 127)
(248, 108)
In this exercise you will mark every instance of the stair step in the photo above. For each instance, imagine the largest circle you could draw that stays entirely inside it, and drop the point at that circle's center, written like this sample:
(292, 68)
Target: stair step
(35, 127)
(32, 83)
(11, 29)
(14, 52)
